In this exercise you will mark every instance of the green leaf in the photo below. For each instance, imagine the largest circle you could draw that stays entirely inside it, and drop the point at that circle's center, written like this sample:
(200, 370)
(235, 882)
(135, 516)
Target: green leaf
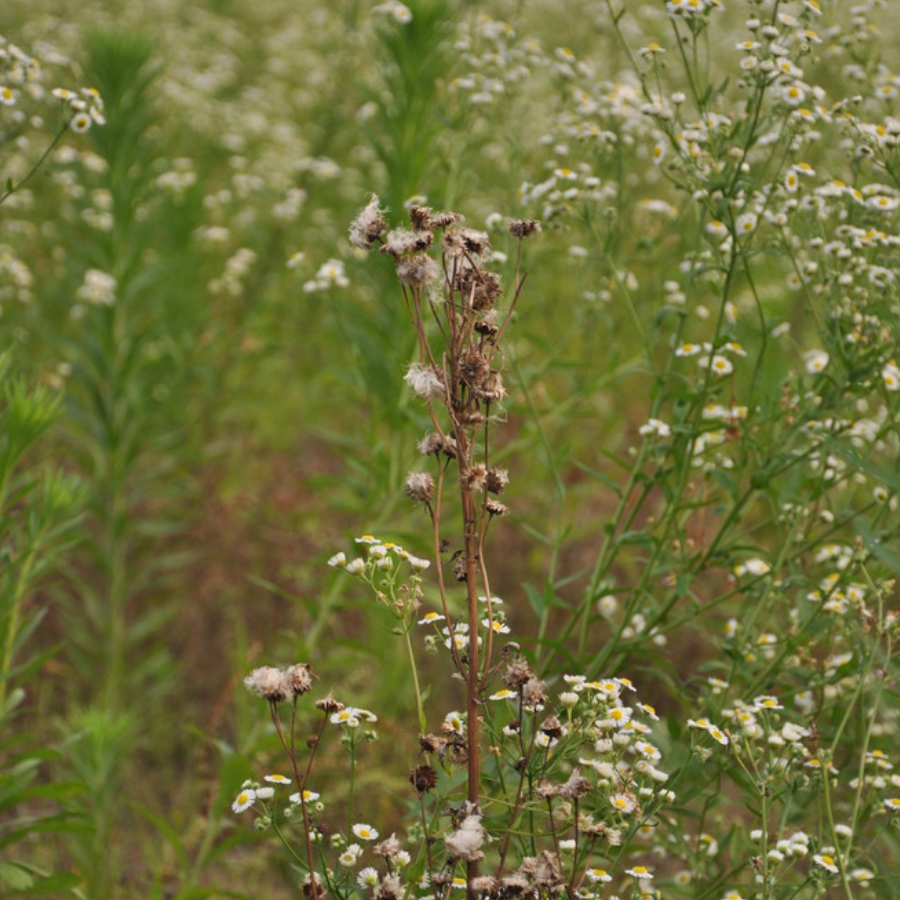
(15, 876)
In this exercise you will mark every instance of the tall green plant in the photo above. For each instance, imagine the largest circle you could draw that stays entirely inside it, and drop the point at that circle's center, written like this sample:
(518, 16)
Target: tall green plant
(38, 512)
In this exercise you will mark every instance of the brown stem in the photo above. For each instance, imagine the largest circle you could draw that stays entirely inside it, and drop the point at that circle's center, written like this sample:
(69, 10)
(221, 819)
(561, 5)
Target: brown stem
(273, 708)
(472, 683)
(427, 839)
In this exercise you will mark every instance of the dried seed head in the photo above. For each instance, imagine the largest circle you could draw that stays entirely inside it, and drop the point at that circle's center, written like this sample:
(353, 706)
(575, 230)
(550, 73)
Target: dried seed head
(269, 683)
(533, 693)
(419, 486)
(544, 870)
(485, 291)
(496, 508)
(497, 480)
(459, 568)
(418, 271)
(576, 786)
(465, 843)
(389, 889)
(547, 790)
(329, 705)
(430, 743)
(484, 885)
(299, 679)
(523, 228)
(517, 674)
(307, 890)
(423, 778)
(552, 727)
(489, 323)
(431, 444)
(491, 389)
(474, 367)
(388, 848)
(400, 241)
(475, 242)
(425, 381)
(452, 244)
(445, 219)
(368, 226)
(474, 479)
(515, 885)
(471, 418)
(420, 217)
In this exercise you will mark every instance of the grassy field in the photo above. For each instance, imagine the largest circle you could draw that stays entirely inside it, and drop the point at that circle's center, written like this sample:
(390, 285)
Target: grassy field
(213, 385)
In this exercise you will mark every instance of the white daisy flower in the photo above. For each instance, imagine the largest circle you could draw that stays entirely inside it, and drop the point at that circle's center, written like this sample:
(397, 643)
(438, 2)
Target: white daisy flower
(365, 832)
(816, 360)
(244, 800)
(367, 878)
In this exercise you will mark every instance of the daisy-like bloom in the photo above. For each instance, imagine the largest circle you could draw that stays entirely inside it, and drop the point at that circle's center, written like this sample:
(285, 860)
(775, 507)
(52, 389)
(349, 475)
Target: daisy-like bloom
(265, 793)
(718, 735)
(455, 721)
(277, 779)
(793, 94)
(752, 567)
(892, 804)
(244, 800)
(459, 883)
(504, 694)
(746, 223)
(885, 204)
(863, 876)
(816, 360)
(365, 832)
(766, 701)
(498, 626)
(642, 873)
(80, 123)
(338, 561)
(826, 862)
(732, 895)
(350, 856)
(308, 797)
(622, 802)
(367, 878)
(431, 618)
(717, 228)
(890, 376)
(367, 539)
(64, 94)
(356, 566)
(619, 715)
(688, 349)
(7, 97)
(698, 723)
(352, 717)
(655, 427)
(598, 875)
(649, 710)
(721, 365)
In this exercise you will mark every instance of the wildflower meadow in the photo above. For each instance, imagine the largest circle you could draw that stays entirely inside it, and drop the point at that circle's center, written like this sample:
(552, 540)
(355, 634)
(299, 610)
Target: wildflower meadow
(450, 449)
